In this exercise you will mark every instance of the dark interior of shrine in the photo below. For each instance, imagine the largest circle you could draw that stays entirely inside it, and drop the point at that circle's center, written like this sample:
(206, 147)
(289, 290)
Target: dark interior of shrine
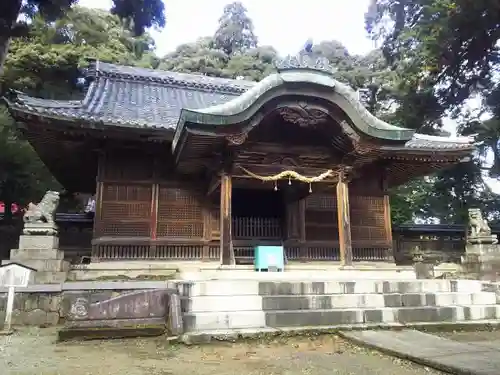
(262, 203)
(258, 213)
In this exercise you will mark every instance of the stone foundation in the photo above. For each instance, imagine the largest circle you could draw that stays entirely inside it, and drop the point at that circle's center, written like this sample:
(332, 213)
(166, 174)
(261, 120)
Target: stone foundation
(90, 306)
(33, 308)
(482, 261)
(41, 253)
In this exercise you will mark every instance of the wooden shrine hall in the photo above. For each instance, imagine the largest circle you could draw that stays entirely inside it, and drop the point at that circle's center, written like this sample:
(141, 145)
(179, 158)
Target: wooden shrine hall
(190, 167)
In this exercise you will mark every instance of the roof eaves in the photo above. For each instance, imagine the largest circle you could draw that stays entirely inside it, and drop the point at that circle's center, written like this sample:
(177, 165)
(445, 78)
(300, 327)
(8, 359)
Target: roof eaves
(184, 80)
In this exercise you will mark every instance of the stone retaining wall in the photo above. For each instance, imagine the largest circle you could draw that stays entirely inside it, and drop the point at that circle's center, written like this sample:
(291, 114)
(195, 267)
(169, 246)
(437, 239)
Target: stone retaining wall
(33, 308)
(90, 304)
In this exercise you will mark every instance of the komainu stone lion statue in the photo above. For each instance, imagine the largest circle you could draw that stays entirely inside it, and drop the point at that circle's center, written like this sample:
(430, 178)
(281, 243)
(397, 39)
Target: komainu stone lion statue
(43, 212)
(478, 226)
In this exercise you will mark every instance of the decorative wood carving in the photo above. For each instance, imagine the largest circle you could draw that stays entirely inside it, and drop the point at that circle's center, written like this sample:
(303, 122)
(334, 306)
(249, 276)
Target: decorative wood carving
(280, 160)
(303, 115)
(237, 139)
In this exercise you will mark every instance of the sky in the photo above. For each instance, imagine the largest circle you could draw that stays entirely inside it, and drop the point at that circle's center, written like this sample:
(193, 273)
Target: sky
(276, 22)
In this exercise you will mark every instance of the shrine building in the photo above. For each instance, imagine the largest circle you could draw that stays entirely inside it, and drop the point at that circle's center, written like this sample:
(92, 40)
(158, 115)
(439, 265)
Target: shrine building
(190, 167)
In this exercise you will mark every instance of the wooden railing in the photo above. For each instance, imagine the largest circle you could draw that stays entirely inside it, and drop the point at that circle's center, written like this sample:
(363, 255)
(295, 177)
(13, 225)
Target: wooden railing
(446, 243)
(257, 227)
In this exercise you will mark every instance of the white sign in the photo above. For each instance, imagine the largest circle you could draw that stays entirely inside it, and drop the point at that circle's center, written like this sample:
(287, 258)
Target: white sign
(13, 275)
(16, 275)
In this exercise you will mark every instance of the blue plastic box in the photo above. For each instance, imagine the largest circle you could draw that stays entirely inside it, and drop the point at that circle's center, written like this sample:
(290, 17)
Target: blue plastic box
(267, 257)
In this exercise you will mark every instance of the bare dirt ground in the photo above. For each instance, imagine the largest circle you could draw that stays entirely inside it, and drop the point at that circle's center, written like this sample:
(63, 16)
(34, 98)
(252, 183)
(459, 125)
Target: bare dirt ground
(34, 352)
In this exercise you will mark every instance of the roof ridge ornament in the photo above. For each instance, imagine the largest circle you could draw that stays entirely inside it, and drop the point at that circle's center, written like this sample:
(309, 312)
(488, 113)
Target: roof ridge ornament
(304, 60)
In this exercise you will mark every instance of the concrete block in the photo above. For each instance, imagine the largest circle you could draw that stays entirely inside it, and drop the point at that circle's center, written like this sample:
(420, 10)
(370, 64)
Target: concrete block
(50, 277)
(27, 254)
(312, 318)
(479, 312)
(483, 298)
(175, 323)
(219, 288)
(224, 320)
(322, 302)
(273, 288)
(392, 300)
(418, 286)
(385, 315)
(221, 303)
(38, 242)
(468, 286)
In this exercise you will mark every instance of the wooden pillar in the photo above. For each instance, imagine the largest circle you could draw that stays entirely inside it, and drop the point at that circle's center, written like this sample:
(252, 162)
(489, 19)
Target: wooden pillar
(387, 218)
(154, 210)
(344, 221)
(96, 225)
(226, 238)
(302, 231)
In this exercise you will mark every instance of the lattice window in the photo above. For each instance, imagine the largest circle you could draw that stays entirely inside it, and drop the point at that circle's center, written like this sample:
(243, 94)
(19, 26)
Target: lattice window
(321, 217)
(125, 210)
(367, 218)
(322, 201)
(180, 213)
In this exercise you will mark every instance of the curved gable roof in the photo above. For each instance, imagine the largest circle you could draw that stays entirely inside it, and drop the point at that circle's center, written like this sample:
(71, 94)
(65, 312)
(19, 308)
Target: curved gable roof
(243, 107)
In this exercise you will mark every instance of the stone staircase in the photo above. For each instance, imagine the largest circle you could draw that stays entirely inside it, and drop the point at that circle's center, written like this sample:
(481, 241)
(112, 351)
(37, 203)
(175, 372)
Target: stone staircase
(232, 305)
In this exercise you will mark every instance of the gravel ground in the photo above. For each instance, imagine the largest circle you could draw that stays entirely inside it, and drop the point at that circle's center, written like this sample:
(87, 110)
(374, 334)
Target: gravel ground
(34, 352)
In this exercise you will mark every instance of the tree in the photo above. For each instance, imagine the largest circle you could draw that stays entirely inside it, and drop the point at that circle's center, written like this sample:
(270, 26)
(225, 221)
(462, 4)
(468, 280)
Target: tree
(442, 59)
(440, 42)
(235, 32)
(199, 57)
(16, 16)
(47, 62)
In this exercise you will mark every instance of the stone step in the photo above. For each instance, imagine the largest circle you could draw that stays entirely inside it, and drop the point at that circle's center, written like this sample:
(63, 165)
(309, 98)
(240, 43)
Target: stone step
(376, 300)
(50, 277)
(267, 288)
(27, 254)
(334, 317)
(338, 301)
(55, 265)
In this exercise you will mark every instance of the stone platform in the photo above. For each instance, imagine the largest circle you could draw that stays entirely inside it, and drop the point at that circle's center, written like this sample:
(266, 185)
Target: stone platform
(471, 358)
(232, 305)
(192, 270)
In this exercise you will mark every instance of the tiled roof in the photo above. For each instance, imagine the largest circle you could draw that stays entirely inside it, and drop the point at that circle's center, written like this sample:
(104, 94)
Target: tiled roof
(129, 96)
(139, 97)
(433, 143)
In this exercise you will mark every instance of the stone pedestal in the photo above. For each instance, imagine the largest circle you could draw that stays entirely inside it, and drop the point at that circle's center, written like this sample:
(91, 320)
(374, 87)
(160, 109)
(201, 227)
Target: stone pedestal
(39, 249)
(482, 259)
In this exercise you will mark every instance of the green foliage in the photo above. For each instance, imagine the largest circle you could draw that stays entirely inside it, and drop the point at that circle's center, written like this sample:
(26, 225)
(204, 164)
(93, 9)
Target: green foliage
(445, 52)
(23, 177)
(47, 62)
(199, 57)
(235, 32)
